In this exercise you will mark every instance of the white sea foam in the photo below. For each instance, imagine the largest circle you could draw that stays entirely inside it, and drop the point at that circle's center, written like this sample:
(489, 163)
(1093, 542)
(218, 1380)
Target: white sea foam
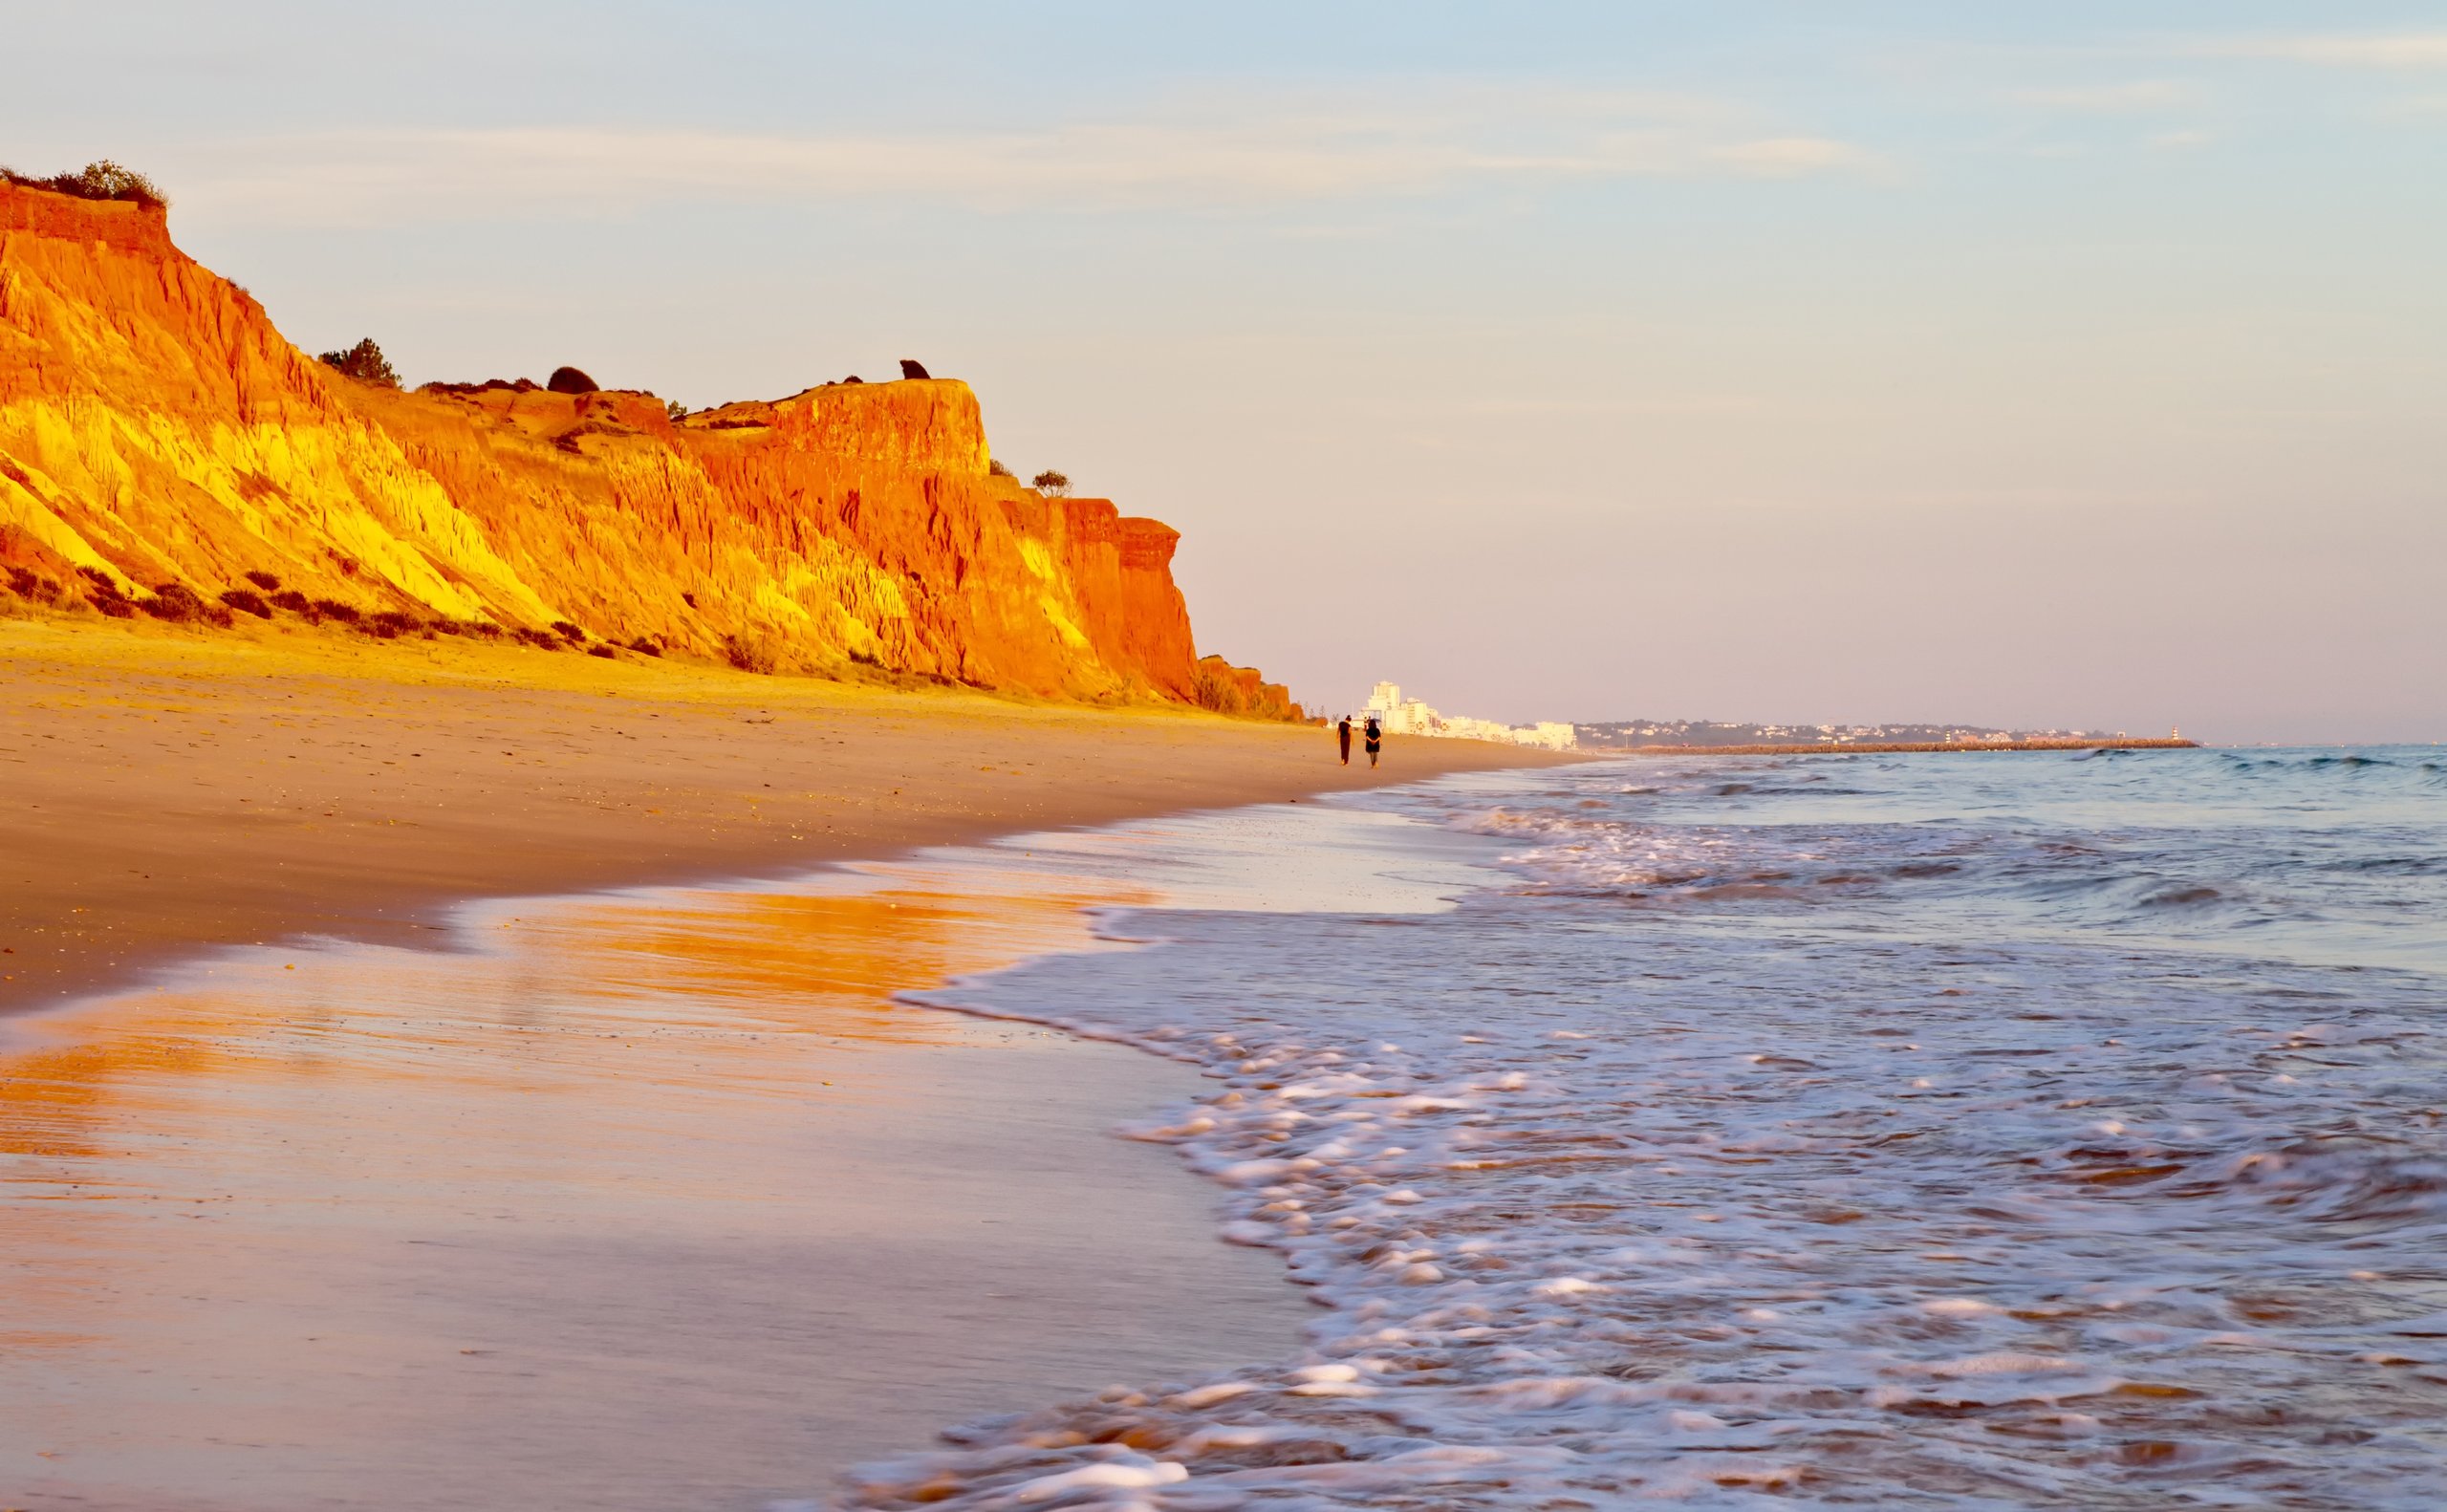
(1799, 1193)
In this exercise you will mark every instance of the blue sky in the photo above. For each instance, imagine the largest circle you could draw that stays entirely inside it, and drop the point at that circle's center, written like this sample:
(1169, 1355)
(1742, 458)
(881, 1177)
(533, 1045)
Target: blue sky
(2062, 364)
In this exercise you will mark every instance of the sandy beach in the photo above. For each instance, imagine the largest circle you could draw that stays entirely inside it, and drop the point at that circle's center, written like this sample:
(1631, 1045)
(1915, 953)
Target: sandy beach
(166, 791)
(333, 1184)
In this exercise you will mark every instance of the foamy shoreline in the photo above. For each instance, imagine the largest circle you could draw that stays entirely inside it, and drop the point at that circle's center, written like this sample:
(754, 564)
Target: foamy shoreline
(1778, 1133)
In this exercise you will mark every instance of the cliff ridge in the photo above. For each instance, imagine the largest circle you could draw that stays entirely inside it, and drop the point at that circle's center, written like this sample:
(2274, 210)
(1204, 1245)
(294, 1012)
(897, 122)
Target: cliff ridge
(156, 429)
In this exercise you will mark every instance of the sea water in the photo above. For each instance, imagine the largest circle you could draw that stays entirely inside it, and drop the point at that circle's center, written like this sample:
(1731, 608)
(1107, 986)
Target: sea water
(1927, 1131)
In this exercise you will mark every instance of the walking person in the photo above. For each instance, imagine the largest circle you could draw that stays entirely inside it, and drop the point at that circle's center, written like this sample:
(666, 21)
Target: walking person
(1342, 734)
(1376, 738)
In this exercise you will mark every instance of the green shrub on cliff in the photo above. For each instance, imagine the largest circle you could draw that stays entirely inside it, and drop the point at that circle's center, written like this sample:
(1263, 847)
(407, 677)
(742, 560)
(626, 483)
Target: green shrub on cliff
(1057, 484)
(363, 361)
(178, 604)
(102, 593)
(32, 587)
(102, 179)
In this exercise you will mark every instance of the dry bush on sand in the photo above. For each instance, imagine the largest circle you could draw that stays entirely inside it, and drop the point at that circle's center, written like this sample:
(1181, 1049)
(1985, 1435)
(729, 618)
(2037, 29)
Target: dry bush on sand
(750, 653)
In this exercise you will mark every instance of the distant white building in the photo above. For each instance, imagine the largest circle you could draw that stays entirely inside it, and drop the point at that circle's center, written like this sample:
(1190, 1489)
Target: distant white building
(1401, 715)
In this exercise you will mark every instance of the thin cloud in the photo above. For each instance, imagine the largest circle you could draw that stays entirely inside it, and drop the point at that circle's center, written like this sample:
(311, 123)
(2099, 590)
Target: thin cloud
(2401, 50)
(1679, 406)
(1254, 157)
(1792, 157)
(2130, 98)
(2181, 141)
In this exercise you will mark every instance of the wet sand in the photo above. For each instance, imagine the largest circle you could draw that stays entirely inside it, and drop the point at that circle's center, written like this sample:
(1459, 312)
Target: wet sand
(163, 791)
(327, 1187)
(638, 1201)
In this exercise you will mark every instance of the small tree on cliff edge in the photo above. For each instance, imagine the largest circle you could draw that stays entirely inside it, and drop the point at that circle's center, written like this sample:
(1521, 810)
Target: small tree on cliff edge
(1056, 483)
(104, 180)
(363, 361)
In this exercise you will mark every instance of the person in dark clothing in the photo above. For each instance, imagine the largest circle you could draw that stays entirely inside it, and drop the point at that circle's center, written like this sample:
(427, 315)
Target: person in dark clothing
(1376, 738)
(1342, 736)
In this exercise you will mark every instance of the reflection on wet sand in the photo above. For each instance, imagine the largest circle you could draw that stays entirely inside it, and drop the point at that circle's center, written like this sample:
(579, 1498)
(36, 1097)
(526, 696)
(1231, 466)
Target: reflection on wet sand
(641, 1200)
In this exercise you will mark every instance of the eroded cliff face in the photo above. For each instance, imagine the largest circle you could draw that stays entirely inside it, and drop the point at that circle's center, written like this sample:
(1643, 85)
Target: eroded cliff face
(155, 427)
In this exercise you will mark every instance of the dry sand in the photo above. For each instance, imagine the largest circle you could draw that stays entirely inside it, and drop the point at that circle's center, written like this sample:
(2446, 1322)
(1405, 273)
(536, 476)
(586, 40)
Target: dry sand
(163, 791)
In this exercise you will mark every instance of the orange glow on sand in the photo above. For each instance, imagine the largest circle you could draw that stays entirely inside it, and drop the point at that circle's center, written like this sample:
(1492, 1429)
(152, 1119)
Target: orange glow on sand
(631, 1197)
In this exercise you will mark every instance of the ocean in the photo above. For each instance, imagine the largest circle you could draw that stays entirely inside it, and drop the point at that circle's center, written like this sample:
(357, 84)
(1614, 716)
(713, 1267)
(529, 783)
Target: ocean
(2041, 1130)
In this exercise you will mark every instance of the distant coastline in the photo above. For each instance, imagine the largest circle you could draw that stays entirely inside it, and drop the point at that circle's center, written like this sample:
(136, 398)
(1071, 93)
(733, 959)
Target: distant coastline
(1896, 748)
(1400, 715)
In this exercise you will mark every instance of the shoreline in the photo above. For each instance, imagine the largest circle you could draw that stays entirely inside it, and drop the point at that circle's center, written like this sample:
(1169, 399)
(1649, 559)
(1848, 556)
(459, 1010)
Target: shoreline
(171, 793)
(1710, 1111)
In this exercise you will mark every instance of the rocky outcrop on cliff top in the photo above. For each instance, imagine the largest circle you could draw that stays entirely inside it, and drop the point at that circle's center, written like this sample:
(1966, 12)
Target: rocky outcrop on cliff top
(155, 427)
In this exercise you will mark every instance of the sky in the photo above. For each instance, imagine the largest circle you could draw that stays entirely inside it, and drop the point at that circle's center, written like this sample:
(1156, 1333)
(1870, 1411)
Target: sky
(2077, 364)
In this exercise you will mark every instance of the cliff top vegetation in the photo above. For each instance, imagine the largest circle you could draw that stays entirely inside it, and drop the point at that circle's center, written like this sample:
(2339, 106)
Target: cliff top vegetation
(100, 179)
(363, 361)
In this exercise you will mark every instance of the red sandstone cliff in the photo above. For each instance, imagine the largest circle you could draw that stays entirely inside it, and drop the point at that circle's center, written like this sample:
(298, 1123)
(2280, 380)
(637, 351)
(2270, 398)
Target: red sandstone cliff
(156, 427)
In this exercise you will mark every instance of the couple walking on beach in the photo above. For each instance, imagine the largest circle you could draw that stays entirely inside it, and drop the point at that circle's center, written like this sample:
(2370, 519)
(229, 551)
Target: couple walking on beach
(1374, 733)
